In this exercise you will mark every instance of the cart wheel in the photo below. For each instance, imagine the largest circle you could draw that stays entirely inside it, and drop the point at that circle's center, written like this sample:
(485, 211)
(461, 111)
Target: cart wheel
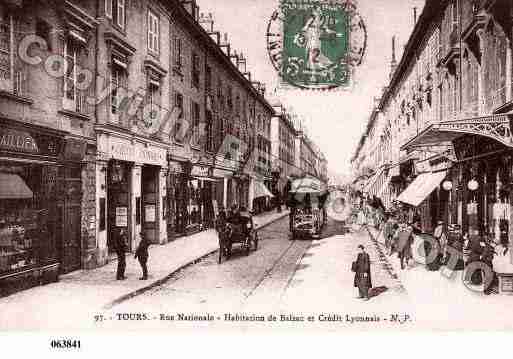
(248, 246)
(256, 240)
(229, 251)
(221, 249)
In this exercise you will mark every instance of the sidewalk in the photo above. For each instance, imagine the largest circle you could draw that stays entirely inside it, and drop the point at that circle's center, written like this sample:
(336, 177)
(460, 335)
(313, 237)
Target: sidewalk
(96, 290)
(444, 302)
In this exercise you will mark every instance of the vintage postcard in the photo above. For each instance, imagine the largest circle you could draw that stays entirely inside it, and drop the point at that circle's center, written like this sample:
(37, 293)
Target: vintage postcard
(235, 165)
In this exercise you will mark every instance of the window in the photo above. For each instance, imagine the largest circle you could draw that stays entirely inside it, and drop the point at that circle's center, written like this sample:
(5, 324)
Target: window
(71, 55)
(208, 78)
(6, 51)
(195, 70)
(209, 146)
(118, 76)
(195, 114)
(116, 10)
(178, 52)
(154, 97)
(178, 126)
(153, 32)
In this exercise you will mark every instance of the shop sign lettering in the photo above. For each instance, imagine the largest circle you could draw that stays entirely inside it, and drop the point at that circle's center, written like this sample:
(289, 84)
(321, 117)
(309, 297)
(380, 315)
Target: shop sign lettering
(138, 154)
(17, 141)
(199, 171)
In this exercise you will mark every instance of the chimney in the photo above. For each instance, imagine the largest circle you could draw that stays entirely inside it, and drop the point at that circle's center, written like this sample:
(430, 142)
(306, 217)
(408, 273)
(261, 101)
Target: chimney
(393, 63)
(247, 75)
(375, 102)
(241, 63)
(225, 45)
(234, 57)
(414, 16)
(207, 22)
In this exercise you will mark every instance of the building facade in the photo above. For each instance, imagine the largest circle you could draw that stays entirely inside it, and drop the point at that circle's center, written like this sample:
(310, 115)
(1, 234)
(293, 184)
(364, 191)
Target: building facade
(444, 120)
(283, 136)
(47, 144)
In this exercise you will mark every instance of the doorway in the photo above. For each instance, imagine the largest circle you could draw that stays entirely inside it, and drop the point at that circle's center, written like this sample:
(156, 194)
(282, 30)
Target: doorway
(150, 198)
(118, 202)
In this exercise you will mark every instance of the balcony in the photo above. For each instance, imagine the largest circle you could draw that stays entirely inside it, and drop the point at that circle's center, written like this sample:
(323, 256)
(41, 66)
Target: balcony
(451, 51)
(14, 87)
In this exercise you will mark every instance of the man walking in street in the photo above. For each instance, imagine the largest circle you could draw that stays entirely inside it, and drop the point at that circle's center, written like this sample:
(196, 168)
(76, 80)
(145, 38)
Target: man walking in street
(141, 254)
(362, 276)
(121, 248)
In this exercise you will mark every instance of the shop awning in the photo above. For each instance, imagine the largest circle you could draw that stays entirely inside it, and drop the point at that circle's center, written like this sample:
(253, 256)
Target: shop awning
(443, 133)
(421, 187)
(261, 190)
(13, 186)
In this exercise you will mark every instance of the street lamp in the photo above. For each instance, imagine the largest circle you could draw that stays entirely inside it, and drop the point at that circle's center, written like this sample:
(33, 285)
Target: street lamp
(473, 185)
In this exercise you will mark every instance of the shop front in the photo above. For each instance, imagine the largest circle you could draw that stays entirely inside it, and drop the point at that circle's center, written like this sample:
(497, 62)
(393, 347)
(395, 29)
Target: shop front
(131, 191)
(39, 228)
(193, 193)
(478, 189)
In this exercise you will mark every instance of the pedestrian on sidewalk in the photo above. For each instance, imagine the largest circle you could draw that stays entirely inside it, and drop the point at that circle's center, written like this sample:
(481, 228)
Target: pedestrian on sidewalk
(121, 248)
(405, 240)
(141, 254)
(441, 237)
(362, 276)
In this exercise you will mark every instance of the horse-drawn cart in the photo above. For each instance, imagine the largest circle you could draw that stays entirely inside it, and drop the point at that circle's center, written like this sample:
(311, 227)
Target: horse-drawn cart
(239, 230)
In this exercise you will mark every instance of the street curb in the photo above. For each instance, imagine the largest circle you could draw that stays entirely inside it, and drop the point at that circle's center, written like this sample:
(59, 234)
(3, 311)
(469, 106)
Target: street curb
(389, 267)
(161, 281)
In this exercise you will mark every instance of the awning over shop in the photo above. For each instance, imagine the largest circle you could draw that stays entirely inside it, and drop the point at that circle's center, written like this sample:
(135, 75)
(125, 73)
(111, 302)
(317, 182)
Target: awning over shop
(443, 133)
(421, 187)
(372, 180)
(208, 179)
(12, 186)
(261, 190)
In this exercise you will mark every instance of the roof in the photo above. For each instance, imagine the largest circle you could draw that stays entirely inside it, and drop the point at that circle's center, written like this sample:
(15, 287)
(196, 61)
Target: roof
(185, 16)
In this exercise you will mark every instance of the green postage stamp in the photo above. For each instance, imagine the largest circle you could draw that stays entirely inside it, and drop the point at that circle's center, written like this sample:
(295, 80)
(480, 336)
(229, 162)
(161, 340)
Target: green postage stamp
(316, 44)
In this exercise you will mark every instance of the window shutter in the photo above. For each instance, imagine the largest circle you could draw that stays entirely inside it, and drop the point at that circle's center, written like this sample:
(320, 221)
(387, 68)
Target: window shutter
(121, 13)
(60, 43)
(108, 8)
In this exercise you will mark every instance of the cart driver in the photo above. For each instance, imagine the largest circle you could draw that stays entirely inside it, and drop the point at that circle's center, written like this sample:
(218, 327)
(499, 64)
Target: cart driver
(244, 220)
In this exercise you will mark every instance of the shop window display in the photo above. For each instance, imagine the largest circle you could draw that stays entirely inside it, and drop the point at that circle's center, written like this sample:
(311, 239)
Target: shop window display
(27, 216)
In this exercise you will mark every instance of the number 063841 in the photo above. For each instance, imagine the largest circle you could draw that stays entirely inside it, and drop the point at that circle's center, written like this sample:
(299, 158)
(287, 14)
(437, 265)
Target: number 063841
(65, 344)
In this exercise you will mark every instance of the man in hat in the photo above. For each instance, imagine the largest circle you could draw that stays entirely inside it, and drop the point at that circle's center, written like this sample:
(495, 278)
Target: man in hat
(362, 276)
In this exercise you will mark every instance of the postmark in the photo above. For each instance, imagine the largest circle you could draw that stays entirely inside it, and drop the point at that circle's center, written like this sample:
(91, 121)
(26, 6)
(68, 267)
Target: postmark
(316, 44)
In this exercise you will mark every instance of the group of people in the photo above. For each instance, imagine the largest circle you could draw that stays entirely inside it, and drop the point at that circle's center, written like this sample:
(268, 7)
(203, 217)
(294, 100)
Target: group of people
(141, 254)
(452, 248)
(399, 236)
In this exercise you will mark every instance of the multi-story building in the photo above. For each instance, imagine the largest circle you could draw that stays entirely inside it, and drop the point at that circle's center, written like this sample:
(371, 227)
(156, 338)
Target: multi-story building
(443, 122)
(306, 153)
(47, 140)
(283, 135)
(117, 118)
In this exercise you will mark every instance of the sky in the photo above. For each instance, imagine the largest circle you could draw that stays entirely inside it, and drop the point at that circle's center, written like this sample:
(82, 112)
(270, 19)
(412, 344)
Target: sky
(335, 119)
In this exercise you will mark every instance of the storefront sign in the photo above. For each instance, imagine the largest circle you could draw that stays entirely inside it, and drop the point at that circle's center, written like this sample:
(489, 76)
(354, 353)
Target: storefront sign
(125, 150)
(199, 171)
(29, 142)
(149, 213)
(18, 141)
(121, 216)
(175, 167)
